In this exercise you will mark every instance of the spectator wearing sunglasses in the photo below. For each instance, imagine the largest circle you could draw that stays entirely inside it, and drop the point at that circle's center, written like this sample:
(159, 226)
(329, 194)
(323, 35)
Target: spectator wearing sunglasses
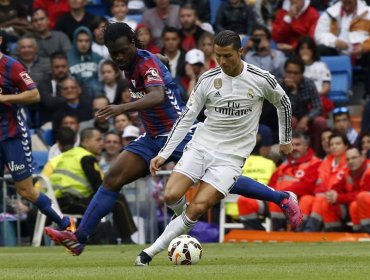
(342, 124)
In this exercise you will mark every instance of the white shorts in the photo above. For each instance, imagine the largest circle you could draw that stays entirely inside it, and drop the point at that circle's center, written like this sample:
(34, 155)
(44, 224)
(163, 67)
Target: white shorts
(217, 169)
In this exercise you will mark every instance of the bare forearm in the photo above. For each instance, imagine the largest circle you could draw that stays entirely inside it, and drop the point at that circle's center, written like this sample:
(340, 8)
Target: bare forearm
(25, 97)
(147, 102)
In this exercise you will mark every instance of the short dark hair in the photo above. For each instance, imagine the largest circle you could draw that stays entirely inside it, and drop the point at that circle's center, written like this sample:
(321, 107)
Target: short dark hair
(171, 29)
(307, 40)
(65, 138)
(263, 28)
(342, 136)
(58, 55)
(116, 30)
(42, 10)
(228, 37)
(113, 1)
(299, 135)
(87, 133)
(296, 60)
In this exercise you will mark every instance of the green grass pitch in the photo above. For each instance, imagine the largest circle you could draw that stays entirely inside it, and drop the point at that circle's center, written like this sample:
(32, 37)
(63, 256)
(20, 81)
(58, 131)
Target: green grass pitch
(220, 261)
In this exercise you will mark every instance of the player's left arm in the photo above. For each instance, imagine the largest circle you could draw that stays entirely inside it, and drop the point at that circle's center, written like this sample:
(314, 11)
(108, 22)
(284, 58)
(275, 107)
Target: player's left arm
(28, 93)
(277, 96)
(25, 97)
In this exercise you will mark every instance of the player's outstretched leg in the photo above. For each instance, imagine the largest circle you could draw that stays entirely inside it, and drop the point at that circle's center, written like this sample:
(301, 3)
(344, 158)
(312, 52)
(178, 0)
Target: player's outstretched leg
(100, 206)
(287, 201)
(180, 225)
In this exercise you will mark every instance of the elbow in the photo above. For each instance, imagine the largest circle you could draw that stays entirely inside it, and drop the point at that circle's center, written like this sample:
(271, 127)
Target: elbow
(35, 96)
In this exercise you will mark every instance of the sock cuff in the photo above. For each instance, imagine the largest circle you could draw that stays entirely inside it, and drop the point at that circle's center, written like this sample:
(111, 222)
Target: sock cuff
(42, 201)
(180, 201)
(188, 223)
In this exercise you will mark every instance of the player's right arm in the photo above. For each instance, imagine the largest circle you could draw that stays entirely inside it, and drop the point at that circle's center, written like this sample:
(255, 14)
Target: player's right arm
(154, 96)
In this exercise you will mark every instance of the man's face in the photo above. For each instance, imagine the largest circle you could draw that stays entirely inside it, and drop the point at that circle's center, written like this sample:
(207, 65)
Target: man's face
(122, 52)
(349, 6)
(354, 159)
(171, 41)
(27, 49)
(59, 68)
(325, 141)
(83, 43)
(112, 144)
(77, 4)
(300, 148)
(188, 18)
(342, 123)
(293, 72)
(229, 59)
(70, 90)
(70, 122)
(40, 21)
(337, 146)
(95, 143)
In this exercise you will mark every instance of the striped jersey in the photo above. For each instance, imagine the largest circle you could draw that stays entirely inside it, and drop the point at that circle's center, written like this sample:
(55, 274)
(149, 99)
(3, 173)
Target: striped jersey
(233, 108)
(148, 71)
(14, 79)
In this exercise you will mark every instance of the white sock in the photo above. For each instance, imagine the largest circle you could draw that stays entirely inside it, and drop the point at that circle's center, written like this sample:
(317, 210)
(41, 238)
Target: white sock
(181, 225)
(178, 207)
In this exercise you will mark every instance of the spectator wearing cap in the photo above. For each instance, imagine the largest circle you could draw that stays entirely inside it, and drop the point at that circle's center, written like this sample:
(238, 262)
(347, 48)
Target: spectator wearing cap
(130, 133)
(342, 124)
(194, 67)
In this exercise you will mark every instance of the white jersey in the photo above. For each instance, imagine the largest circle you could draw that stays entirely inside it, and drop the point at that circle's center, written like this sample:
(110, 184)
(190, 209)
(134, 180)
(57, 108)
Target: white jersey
(233, 108)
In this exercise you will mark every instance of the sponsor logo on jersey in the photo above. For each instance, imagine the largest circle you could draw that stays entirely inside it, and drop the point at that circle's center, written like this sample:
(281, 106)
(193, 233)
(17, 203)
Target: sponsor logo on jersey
(217, 83)
(137, 94)
(217, 94)
(250, 93)
(15, 167)
(26, 78)
(233, 109)
(152, 75)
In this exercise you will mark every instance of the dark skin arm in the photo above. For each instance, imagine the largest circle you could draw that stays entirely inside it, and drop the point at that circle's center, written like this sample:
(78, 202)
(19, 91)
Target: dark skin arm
(153, 98)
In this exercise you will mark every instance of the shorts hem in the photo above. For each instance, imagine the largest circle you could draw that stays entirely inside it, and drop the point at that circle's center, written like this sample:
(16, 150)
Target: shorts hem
(220, 190)
(186, 174)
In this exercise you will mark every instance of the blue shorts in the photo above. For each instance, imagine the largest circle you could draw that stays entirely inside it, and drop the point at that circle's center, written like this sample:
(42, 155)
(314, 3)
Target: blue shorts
(148, 147)
(16, 153)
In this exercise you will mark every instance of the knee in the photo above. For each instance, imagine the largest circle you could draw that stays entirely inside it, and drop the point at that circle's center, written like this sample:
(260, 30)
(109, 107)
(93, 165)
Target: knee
(362, 196)
(113, 181)
(196, 209)
(171, 196)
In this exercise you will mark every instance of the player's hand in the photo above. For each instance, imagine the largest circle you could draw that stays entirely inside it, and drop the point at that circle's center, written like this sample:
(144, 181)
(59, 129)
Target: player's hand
(109, 111)
(285, 149)
(155, 164)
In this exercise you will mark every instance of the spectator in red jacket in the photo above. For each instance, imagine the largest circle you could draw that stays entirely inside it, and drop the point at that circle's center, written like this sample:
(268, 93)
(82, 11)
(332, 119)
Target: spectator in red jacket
(297, 174)
(331, 178)
(54, 9)
(294, 19)
(359, 190)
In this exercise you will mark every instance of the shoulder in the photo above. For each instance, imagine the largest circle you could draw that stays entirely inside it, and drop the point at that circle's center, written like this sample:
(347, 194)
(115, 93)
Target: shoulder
(261, 75)
(208, 77)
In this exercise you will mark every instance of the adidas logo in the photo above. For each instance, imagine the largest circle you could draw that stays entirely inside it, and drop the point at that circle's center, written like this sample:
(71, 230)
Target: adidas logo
(217, 94)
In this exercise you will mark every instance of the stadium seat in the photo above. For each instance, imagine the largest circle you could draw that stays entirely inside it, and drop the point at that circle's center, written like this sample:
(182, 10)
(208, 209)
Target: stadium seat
(135, 17)
(40, 158)
(341, 82)
(214, 4)
(97, 9)
(47, 136)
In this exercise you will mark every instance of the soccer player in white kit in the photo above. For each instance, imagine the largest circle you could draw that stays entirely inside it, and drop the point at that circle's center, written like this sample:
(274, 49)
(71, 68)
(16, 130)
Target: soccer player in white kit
(233, 95)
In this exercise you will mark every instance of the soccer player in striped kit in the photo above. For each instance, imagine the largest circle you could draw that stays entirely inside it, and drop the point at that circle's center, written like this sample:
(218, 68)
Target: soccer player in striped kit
(17, 88)
(157, 99)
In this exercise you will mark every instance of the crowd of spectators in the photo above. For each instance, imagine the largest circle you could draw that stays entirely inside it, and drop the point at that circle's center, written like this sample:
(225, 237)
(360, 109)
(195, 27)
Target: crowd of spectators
(61, 45)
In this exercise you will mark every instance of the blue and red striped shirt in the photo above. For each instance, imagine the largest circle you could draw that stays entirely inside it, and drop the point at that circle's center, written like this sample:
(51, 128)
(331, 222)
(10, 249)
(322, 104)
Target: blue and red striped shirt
(147, 71)
(14, 79)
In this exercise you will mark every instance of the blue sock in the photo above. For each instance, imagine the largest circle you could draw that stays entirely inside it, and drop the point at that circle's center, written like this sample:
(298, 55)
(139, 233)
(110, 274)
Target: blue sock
(43, 203)
(248, 187)
(101, 204)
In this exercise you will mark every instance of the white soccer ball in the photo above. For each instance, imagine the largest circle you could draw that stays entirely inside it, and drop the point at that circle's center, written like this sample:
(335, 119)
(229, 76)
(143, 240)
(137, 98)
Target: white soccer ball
(184, 250)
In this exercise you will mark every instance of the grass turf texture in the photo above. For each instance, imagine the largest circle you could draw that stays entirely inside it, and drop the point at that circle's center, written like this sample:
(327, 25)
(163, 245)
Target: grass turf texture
(220, 261)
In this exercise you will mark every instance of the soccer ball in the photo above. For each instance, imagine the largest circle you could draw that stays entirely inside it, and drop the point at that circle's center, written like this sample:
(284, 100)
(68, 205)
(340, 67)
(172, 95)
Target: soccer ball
(184, 250)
